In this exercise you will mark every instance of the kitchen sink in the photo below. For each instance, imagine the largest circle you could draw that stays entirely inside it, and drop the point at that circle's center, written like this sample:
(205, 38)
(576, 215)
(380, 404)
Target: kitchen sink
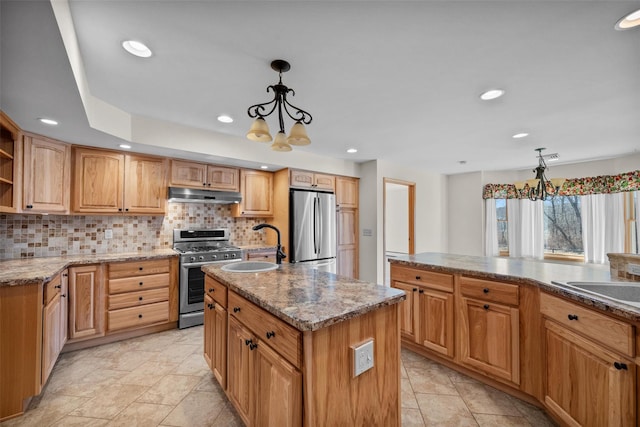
(249, 267)
(625, 292)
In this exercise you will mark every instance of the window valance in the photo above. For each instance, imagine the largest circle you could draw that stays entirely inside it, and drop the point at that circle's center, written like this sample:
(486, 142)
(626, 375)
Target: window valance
(628, 181)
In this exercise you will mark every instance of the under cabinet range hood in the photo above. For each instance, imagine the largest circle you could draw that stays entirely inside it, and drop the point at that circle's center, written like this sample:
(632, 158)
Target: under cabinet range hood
(190, 195)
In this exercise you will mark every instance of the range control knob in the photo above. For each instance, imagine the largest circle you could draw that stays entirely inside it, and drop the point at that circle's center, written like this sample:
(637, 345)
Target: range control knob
(214, 256)
(233, 255)
(201, 258)
(192, 258)
(226, 256)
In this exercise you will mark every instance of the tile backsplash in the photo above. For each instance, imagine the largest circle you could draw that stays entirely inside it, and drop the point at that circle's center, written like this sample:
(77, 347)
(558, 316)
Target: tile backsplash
(23, 236)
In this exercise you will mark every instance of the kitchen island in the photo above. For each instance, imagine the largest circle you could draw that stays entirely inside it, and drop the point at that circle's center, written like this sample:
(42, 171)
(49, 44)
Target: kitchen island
(511, 323)
(282, 344)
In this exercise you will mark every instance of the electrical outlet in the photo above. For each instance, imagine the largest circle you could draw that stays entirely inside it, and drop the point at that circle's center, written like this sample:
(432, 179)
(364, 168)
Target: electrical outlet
(108, 233)
(633, 269)
(362, 358)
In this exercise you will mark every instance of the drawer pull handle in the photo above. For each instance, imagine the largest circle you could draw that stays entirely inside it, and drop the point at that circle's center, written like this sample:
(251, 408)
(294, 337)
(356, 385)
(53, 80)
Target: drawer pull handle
(58, 286)
(417, 277)
(29, 206)
(139, 316)
(139, 298)
(63, 296)
(211, 306)
(415, 289)
(211, 290)
(485, 290)
(248, 342)
(236, 309)
(140, 283)
(486, 306)
(271, 334)
(572, 317)
(620, 366)
(252, 346)
(140, 268)
(421, 291)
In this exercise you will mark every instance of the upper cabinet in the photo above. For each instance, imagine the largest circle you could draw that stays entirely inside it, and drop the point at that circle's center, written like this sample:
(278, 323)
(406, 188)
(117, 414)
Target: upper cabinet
(10, 156)
(111, 182)
(257, 194)
(200, 175)
(347, 192)
(46, 175)
(316, 181)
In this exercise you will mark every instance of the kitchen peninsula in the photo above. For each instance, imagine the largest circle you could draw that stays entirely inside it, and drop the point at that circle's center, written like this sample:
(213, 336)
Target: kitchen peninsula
(506, 323)
(289, 356)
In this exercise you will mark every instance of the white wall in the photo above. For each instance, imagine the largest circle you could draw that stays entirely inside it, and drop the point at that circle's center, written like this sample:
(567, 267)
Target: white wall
(465, 208)
(396, 218)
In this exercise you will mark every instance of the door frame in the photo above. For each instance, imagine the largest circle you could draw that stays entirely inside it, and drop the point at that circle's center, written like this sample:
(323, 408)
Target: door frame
(411, 193)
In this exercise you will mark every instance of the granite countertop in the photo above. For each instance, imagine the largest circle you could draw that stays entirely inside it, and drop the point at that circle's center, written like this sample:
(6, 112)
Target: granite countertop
(29, 270)
(527, 272)
(305, 298)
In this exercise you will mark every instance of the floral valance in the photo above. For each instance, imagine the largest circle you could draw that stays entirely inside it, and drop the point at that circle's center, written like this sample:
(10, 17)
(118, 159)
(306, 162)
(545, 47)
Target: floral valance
(629, 181)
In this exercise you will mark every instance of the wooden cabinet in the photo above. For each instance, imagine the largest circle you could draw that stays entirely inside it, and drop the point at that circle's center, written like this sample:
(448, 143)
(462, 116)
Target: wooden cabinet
(10, 164)
(347, 192)
(590, 371)
(46, 175)
(111, 182)
(86, 302)
(54, 323)
(138, 294)
(316, 181)
(257, 194)
(488, 328)
(427, 315)
(215, 329)
(264, 354)
(200, 175)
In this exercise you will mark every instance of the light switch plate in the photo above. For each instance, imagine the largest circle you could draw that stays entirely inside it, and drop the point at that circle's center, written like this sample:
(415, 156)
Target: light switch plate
(362, 357)
(108, 233)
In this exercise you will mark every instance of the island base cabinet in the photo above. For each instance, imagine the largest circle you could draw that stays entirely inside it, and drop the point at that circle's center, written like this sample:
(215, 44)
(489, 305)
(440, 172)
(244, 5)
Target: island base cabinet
(240, 366)
(436, 321)
(587, 385)
(215, 339)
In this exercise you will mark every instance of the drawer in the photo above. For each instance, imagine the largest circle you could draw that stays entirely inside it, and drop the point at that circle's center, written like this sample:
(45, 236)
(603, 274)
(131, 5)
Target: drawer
(138, 316)
(134, 299)
(488, 290)
(139, 268)
(283, 338)
(140, 283)
(51, 289)
(216, 290)
(615, 334)
(439, 281)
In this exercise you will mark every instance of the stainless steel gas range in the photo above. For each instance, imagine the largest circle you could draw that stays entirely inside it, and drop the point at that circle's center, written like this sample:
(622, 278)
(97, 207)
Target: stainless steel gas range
(198, 247)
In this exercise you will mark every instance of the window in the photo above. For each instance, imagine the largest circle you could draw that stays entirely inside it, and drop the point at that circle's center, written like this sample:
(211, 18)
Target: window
(563, 227)
(503, 230)
(632, 243)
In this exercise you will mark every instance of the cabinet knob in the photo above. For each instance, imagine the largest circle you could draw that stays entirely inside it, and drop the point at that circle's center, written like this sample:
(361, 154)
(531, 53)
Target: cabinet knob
(63, 296)
(236, 309)
(620, 366)
(119, 209)
(572, 317)
(208, 184)
(139, 316)
(139, 298)
(415, 289)
(140, 283)
(211, 306)
(29, 206)
(248, 342)
(486, 306)
(211, 289)
(417, 277)
(58, 286)
(204, 184)
(485, 290)
(421, 291)
(252, 346)
(271, 334)
(126, 210)
(140, 268)
(65, 275)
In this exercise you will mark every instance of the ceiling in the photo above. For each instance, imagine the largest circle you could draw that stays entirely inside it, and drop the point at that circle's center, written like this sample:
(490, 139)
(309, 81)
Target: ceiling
(399, 81)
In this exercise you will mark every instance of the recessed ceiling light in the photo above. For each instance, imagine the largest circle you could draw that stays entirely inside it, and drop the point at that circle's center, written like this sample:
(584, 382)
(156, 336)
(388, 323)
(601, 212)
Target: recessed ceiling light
(264, 167)
(629, 21)
(125, 146)
(48, 121)
(520, 135)
(136, 48)
(492, 94)
(352, 150)
(463, 162)
(225, 119)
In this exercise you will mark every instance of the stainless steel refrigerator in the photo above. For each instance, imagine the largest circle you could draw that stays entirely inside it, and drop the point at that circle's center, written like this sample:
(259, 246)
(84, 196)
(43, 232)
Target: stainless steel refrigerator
(313, 229)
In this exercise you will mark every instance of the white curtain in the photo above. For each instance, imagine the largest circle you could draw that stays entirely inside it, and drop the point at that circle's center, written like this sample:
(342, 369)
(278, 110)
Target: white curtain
(602, 226)
(491, 228)
(526, 228)
(637, 236)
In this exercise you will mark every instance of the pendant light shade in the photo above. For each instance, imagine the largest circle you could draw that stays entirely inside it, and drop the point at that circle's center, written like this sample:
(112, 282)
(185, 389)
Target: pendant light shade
(298, 135)
(537, 187)
(280, 143)
(259, 131)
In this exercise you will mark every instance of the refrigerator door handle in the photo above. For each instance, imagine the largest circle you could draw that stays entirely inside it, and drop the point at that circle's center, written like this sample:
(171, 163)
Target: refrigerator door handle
(315, 225)
(320, 219)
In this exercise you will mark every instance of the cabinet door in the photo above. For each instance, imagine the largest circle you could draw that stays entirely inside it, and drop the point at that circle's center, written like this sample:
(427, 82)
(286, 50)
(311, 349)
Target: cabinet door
(219, 346)
(347, 242)
(10, 158)
(86, 302)
(257, 194)
(50, 336)
(324, 182)
(64, 309)
(347, 192)
(301, 179)
(188, 174)
(222, 178)
(240, 383)
(46, 175)
(585, 384)
(97, 181)
(209, 328)
(489, 338)
(145, 188)
(407, 310)
(278, 390)
(435, 319)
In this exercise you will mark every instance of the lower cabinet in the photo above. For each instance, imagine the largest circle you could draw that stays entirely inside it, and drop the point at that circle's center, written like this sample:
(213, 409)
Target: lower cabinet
(86, 302)
(54, 323)
(215, 339)
(240, 369)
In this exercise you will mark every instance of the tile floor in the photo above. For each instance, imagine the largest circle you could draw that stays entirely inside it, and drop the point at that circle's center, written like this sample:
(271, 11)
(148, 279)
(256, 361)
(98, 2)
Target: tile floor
(163, 380)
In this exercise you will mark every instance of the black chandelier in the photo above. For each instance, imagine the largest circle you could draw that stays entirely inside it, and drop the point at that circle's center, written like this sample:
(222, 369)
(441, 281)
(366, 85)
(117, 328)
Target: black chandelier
(537, 187)
(260, 130)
